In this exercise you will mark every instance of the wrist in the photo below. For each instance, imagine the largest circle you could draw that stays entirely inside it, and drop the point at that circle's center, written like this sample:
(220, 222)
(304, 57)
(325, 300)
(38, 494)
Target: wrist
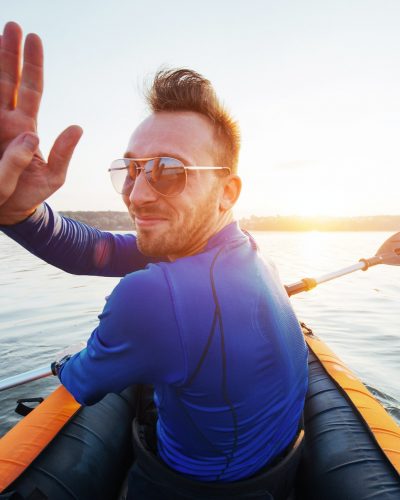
(16, 218)
(56, 366)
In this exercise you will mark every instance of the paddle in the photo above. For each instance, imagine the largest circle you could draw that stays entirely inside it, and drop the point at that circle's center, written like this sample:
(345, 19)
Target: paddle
(25, 377)
(388, 253)
(41, 371)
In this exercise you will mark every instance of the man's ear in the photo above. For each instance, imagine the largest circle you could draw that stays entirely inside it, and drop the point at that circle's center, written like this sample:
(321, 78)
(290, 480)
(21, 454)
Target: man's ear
(232, 185)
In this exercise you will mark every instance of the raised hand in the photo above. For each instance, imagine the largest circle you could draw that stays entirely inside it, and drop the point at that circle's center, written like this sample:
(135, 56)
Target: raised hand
(20, 95)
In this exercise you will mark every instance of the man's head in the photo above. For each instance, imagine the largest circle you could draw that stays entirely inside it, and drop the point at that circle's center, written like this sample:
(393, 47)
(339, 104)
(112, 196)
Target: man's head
(186, 90)
(187, 123)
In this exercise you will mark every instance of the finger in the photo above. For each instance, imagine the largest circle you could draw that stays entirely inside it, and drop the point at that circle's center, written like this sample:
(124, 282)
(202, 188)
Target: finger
(16, 158)
(61, 153)
(31, 87)
(10, 57)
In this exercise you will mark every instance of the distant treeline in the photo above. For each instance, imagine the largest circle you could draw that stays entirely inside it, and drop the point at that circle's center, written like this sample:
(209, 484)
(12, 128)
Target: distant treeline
(110, 221)
(120, 221)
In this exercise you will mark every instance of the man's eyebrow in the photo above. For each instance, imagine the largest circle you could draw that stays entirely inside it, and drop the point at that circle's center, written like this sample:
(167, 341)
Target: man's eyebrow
(131, 154)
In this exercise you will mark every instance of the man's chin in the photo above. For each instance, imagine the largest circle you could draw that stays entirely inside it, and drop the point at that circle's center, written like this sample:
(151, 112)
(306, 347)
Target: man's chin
(152, 246)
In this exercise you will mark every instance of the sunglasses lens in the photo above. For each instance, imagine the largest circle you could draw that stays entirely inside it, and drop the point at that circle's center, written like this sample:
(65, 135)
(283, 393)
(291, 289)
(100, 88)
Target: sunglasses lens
(166, 175)
(123, 175)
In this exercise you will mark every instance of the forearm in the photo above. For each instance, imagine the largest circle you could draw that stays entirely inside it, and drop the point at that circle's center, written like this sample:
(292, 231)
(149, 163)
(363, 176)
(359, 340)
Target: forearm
(137, 341)
(89, 375)
(76, 247)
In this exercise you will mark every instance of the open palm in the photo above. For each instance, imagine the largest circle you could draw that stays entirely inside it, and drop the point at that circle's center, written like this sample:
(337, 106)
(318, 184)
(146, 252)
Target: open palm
(20, 95)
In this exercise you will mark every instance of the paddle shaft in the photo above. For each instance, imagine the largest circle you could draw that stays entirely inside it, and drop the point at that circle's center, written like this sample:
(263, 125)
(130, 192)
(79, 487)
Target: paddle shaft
(23, 378)
(307, 284)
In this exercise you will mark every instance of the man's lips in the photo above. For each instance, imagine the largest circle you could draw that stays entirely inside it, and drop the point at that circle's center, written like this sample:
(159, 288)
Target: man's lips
(148, 220)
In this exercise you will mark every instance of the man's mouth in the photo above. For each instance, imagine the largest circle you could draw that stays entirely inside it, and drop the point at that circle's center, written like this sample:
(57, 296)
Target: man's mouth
(148, 221)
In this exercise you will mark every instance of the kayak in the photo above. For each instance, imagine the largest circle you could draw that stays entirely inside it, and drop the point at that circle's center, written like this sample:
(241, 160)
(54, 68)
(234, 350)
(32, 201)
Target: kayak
(63, 451)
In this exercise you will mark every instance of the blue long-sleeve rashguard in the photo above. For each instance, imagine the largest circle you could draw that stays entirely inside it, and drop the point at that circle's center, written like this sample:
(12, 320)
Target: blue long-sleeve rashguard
(214, 332)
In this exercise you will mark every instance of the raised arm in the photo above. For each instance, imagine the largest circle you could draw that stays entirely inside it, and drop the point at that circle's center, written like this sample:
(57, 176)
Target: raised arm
(27, 180)
(76, 247)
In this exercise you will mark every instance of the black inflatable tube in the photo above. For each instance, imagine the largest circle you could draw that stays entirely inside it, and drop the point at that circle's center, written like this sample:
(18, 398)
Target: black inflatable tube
(88, 459)
(341, 459)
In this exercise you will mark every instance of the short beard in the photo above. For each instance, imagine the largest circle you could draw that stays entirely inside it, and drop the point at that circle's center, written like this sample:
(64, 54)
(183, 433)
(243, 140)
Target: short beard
(182, 236)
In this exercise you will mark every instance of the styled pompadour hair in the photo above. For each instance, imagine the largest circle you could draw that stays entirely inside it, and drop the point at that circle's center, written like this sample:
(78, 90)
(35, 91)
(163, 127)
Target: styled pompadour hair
(185, 90)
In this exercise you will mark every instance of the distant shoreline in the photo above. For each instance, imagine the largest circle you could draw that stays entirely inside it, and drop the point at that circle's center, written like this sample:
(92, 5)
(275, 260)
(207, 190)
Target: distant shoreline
(120, 221)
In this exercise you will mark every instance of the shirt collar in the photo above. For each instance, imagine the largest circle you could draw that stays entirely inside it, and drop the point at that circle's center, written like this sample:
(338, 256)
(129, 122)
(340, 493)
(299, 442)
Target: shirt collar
(227, 234)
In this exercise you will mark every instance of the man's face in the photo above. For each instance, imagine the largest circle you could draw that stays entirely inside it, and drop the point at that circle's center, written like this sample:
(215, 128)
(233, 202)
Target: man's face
(180, 225)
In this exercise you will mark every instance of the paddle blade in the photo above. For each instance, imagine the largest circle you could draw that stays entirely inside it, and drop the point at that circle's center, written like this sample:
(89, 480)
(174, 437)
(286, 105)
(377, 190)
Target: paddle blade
(390, 251)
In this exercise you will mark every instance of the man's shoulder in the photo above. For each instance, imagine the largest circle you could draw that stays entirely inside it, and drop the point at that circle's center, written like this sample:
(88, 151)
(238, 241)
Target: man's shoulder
(153, 275)
(161, 281)
(142, 298)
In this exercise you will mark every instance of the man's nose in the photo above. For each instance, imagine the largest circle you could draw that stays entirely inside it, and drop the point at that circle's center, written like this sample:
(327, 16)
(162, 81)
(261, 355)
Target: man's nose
(142, 192)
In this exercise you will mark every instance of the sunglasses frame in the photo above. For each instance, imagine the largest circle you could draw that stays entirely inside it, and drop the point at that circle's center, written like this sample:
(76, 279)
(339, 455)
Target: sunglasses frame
(138, 168)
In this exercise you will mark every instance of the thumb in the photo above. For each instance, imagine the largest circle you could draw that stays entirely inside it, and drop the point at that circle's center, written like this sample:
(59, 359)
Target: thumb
(17, 156)
(19, 152)
(30, 142)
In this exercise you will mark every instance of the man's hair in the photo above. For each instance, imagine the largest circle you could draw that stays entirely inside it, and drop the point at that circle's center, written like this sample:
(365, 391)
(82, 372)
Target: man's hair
(185, 90)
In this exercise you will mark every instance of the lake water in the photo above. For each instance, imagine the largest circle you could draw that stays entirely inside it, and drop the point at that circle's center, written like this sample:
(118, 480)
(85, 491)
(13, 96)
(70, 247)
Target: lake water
(43, 309)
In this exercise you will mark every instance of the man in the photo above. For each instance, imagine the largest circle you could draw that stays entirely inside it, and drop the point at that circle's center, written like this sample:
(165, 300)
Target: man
(199, 314)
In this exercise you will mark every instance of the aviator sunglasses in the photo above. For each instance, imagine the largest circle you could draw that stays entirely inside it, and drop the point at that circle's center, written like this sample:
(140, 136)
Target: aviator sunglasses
(167, 176)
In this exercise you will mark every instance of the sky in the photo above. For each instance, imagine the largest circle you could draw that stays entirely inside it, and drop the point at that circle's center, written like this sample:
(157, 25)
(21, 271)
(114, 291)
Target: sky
(314, 85)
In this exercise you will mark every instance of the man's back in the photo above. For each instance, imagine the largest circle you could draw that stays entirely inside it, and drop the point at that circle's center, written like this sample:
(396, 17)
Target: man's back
(243, 391)
(216, 335)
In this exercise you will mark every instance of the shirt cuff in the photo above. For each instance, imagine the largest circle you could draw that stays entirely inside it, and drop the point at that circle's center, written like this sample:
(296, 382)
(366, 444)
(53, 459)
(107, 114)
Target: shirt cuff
(29, 223)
